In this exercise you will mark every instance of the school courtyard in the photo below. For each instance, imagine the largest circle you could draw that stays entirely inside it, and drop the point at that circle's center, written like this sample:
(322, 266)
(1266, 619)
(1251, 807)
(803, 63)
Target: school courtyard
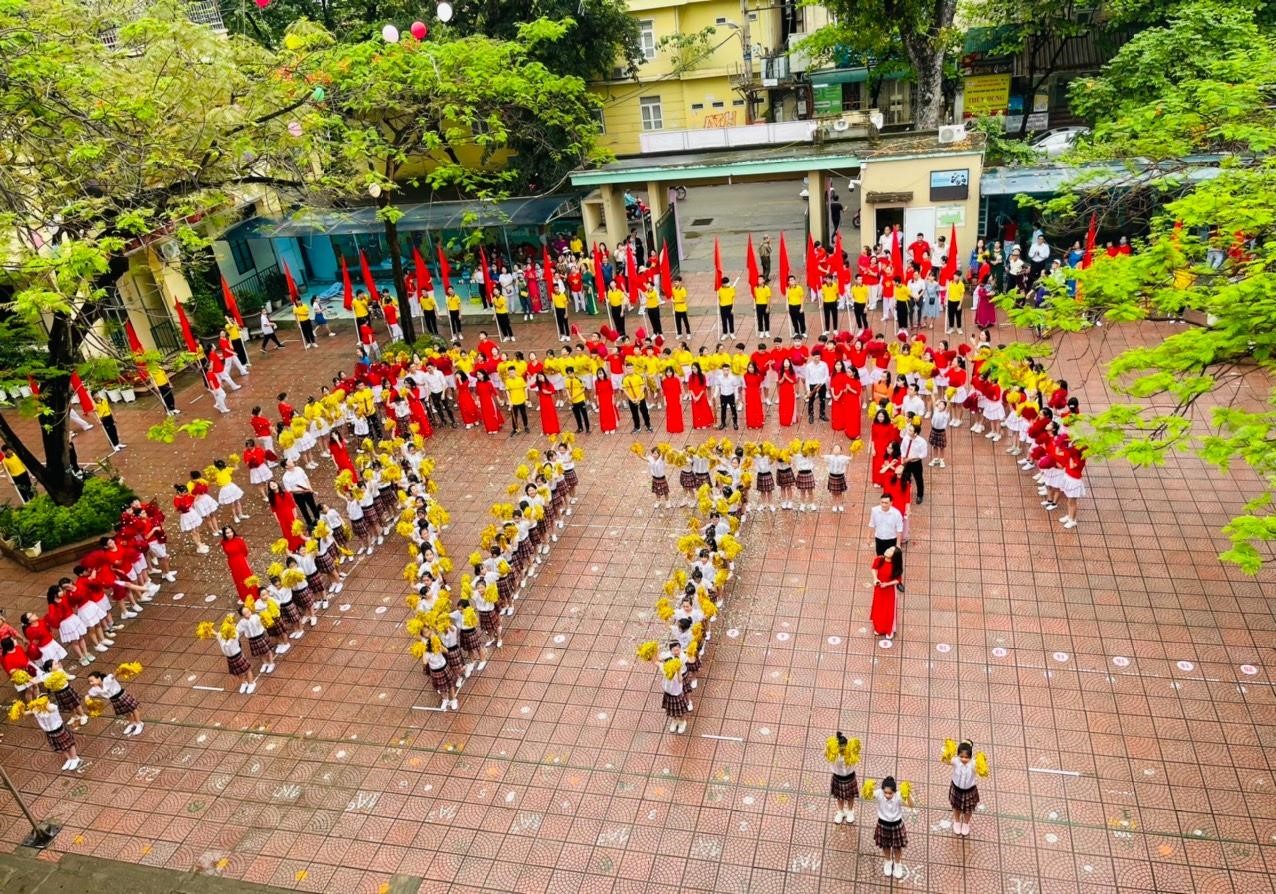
(1118, 676)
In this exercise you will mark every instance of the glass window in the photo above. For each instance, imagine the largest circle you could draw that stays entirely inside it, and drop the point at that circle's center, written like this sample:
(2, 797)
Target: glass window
(242, 254)
(652, 116)
(647, 38)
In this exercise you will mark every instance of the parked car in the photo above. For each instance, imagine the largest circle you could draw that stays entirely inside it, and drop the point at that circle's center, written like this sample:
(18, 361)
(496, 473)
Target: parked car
(1057, 141)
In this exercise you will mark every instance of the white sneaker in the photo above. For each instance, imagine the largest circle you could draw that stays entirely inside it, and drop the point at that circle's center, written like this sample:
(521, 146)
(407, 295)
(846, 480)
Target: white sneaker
(268, 668)
(850, 816)
(171, 576)
(75, 764)
(281, 649)
(1070, 524)
(243, 687)
(887, 867)
(482, 664)
(682, 727)
(202, 549)
(899, 870)
(837, 818)
(101, 647)
(942, 464)
(455, 705)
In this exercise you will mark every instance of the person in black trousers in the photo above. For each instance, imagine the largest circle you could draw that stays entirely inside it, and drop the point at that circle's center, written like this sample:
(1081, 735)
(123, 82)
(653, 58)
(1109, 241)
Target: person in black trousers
(903, 306)
(913, 451)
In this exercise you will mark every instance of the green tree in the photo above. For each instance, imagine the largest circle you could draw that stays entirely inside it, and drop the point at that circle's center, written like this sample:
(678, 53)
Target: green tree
(1210, 256)
(452, 116)
(111, 128)
(922, 28)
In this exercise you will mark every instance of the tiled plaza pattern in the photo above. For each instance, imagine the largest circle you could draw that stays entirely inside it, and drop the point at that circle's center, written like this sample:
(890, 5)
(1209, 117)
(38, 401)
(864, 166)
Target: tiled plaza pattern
(1119, 678)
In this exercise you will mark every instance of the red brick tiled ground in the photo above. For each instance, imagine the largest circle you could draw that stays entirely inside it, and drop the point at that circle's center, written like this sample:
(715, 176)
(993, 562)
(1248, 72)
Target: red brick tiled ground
(1118, 676)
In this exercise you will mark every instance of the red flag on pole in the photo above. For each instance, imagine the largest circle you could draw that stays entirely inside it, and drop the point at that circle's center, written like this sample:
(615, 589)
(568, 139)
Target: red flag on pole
(423, 281)
(33, 385)
(188, 336)
(444, 273)
(666, 273)
(897, 257)
(294, 294)
(949, 270)
(228, 298)
(347, 287)
(368, 282)
(751, 264)
(135, 348)
(1091, 232)
(784, 264)
(631, 275)
(549, 274)
(599, 285)
(839, 264)
(487, 278)
(813, 277)
(717, 265)
(86, 401)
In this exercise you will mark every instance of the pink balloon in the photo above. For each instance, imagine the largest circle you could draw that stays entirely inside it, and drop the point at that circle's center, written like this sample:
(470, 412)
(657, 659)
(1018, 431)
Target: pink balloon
(419, 30)
(262, 4)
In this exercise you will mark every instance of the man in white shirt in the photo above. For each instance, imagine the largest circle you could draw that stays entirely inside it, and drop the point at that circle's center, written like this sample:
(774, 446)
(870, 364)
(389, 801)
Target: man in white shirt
(727, 384)
(296, 482)
(817, 383)
(913, 450)
(1039, 254)
(887, 524)
(436, 384)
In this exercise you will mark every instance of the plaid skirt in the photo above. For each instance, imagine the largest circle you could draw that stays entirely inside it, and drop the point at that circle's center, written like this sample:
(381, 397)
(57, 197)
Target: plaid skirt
(259, 646)
(890, 835)
(837, 483)
(559, 498)
(315, 584)
(289, 613)
(806, 480)
(938, 438)
(385, 502)
(123, 703)
(784, 478)
(701, 478)
(340, 536)
(570, 478)
(442, 678)
(326, 563)
(488, 621)
(471, 639)
(359, 526)
(60, 739)
(68, 700)
(693, 666)
(303, 600)
(455, 659)
(505, 589)
(524, 551)
(674, 705)
(963, 800)
(765, 483)
(537, 533)
(687, 479)
(844, 788)
(237, 664)
(660, 486)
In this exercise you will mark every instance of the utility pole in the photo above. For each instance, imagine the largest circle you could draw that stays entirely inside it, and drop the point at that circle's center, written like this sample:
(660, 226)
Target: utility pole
(746, 47)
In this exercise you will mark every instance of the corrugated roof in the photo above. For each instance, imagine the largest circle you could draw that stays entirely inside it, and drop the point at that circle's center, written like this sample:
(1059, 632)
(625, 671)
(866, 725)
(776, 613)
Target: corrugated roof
(1049, 179)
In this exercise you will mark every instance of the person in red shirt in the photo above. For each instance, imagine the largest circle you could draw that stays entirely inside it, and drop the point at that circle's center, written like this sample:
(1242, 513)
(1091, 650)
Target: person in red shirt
(286, 411)
(390, 310)
(263, 431)
(486, 347)
(259, 473)
(368, 342)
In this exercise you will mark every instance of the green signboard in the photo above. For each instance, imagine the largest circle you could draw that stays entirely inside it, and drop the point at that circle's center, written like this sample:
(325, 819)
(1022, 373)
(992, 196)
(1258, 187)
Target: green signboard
(828, 99)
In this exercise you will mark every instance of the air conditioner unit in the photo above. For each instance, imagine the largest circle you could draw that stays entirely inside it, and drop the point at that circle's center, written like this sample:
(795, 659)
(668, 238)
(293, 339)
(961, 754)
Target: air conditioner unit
(617, 74)
(952, 133)
(170, 250)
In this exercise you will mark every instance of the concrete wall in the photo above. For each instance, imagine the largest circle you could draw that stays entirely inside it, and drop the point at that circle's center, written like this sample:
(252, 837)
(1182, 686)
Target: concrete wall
(913, 174)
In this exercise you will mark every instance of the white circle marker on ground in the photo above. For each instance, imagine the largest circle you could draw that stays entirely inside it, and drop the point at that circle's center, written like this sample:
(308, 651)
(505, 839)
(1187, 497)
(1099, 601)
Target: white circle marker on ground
(317, 689)
(210, 598)
(602, 715)
(1248, 670)
(999, 652)
(1185, 666)
(747, 799)
(1120, 661)
(835, 640)
(943, 648)
(782, 637)
(764, 731)
(525, 710)
(1052, 838)
(381, 609)
(886, 643)
(192, 678)
(343, 607)
(733, 633)
(1060, 657)
(593, 568)
(178, 597)
(858, 682)
(560, 639)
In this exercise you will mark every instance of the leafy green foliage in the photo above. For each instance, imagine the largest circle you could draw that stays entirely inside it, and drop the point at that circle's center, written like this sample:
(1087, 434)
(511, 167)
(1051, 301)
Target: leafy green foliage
(1000, 149)
(166, 432)
(43, 521)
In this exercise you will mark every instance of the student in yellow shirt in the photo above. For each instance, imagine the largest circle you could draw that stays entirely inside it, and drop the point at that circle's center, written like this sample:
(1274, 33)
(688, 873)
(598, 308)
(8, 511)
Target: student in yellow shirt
(726, 309)
(501, 307)
(103, 409)
(635, 387)
(828, 301)
(577, 246)
(516, 391)
(159, 376)
(301, 313)
(762, 307)
(956, 292)
(794, 295)
(453, 302)
(577, 395)
(681, 323)
(859, 302)
(616, 307)
(651, 298)
(359, 306)
(236, 336)
(18, 473)
(559, 300)
(425, 297)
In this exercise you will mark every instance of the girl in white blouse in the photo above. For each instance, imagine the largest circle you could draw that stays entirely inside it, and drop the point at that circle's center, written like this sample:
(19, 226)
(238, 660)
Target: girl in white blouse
(890, 835)
(125, 705)
(837, 461)
(963, 791)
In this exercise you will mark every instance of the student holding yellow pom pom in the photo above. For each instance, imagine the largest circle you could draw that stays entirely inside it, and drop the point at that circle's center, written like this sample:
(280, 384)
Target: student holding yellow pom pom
(566, 457)
(49, 719)
(674, 700)
(125, 705)
(804, 465)
(843, 754)
(251, 625)
(963, 791)
(435, 664)
(890, 835)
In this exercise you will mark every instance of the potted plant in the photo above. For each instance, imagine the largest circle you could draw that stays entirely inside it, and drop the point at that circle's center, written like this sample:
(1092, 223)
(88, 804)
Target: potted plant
(113, 393)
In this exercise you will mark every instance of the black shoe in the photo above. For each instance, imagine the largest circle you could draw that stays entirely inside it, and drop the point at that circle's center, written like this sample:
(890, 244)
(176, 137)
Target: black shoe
(736, 426)
(580, 431)
(649, 429)
(824, 419)
(722, 426)
(635, 431)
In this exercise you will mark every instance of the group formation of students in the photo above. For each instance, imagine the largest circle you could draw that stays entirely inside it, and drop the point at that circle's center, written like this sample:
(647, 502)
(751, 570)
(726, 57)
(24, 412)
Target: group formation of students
(455, 638)
(717, 490)
(111, 584)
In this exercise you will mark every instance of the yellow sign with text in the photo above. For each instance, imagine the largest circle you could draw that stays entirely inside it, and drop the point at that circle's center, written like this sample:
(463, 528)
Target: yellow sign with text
(985, 95)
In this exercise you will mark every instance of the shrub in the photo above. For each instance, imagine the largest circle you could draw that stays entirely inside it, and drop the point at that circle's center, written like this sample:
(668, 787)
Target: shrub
(42, 521)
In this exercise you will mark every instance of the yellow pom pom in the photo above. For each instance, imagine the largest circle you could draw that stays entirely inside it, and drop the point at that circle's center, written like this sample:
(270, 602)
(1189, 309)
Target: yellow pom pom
(948, 751)
(469, 618)
(19, 677)
(417, 649)
(867, 789)
(533, 455)
(522, 473)
(412, 601)
(410, 571)
(851, 754)
(228, 630)
(298, 528)
(128, 671)
(637, 449)
(415, 625)
(664, 610)
(981, 764)
(856, 446)
(647, 651)
(279, 547)
(670, 587)
(16, 710)
(707, 607)
(56, 681)
(578, 454)
(670, 668)
(831, 749)
(906, 791)
(476, 558)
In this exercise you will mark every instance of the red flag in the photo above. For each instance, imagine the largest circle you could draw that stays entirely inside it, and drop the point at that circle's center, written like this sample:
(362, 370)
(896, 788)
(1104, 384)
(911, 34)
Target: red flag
(599, 285)
(751, 264)
(368, 282)
(549, 274)
(187, 335)
(347, 288)
(423, 281)
(839, 264)
(228, 298)
(294, 294)
(784, 264)
(897, 257)
(444, 273)
(631, 275)
(135, 348)
(86, 401)
(717, 265)
(666, 274)
(487, 277)
(813, 277)
(1091, 232)
(949, 270)
(33, 385)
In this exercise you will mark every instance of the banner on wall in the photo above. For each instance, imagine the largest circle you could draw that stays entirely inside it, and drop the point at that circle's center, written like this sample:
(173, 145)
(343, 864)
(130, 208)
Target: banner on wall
(984, 95)
(947, 216)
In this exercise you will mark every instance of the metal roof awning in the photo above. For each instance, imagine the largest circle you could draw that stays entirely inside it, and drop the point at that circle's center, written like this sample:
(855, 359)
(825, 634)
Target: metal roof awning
(1050, 179)
(838, 76)
(525, 211)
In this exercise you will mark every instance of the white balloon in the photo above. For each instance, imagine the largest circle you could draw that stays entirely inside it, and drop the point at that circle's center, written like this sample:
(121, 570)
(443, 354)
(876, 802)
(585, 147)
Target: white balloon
(390, 34)
(444, 12)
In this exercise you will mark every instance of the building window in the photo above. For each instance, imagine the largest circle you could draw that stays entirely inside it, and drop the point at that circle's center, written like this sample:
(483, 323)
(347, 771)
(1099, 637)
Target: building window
(647, 38)
(719, 105)
(753, 17)
(737, 102)
(600, 119)
(652, 116)
(720, 20)
(243, 256)
(697, 107)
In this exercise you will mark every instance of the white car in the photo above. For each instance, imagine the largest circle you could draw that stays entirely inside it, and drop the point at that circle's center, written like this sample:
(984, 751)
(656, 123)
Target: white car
(1055, 142)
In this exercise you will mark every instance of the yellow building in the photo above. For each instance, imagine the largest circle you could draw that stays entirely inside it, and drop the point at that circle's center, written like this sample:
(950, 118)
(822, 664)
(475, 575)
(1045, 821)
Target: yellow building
(698, 82)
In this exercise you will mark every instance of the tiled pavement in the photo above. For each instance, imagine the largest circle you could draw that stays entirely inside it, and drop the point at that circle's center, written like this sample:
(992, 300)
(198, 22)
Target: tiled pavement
(1118, 676)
